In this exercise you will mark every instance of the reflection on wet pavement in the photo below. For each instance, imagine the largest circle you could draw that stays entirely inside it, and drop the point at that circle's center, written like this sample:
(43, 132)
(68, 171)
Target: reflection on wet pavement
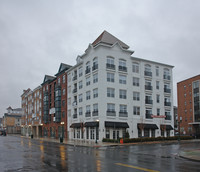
(23, 154)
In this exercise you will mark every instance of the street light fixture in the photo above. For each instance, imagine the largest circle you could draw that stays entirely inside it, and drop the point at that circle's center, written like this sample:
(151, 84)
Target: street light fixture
(61, 138)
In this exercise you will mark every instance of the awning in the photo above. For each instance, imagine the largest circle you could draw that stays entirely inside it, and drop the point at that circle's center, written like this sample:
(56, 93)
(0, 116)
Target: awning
(76, 125)
(116, 124)
(92, 124)
(168, 127)
(147, 126)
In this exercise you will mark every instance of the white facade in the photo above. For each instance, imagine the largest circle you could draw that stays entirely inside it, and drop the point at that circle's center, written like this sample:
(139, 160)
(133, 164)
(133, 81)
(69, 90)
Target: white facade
(109, 101)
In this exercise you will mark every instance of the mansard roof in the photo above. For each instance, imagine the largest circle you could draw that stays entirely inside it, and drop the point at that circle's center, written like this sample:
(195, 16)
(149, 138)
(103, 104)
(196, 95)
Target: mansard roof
(109, 39)
(48, 78)
(62, 68)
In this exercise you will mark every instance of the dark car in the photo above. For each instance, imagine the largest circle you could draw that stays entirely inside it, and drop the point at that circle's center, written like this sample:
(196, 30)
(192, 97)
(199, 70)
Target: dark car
(3, 132)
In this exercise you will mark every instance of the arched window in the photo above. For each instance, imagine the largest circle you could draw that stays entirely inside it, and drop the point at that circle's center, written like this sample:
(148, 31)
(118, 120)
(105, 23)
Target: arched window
(147, 70)
(87, 67)
(110, 63)
(122, 65)
(95, 63)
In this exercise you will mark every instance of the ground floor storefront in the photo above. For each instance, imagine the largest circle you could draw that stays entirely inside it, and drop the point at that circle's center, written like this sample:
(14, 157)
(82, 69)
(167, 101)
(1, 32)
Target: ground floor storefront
(54, 131)
(34, 131)
(92, 131)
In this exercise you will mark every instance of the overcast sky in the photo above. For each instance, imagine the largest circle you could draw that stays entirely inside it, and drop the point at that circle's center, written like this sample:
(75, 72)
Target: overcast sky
(36, 36)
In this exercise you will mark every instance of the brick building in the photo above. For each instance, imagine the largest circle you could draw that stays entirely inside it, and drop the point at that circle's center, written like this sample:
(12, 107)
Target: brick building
(54, 104)
(31, 118)
(189, 106)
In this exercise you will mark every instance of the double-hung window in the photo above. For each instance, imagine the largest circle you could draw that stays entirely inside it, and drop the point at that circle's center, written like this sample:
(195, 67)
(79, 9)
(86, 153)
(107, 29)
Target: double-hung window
(136, 110)
(122, 65)
(80, 97)
(122, 94)
(110, 63)
(80, 111)
(122, 79)
(136, 96)
(110, 92)
(135, 67)
(95, 93)
(136, 81)
(110, 77)
(123, 108)
(87, 95)
(110, 107)
(87, 81)
(80, 84)
(95, 78)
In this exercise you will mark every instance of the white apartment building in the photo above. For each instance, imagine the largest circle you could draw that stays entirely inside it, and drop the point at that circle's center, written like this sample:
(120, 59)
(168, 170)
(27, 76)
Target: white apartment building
(110, 92)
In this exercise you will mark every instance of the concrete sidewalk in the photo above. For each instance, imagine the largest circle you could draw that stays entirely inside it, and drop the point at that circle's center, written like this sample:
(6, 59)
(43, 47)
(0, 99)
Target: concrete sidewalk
(193, 154)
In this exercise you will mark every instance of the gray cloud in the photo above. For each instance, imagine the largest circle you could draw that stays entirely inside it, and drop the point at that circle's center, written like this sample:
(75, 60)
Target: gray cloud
(36, 36)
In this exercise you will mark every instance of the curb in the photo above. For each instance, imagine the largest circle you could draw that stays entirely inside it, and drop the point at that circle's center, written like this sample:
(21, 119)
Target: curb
(182, 155)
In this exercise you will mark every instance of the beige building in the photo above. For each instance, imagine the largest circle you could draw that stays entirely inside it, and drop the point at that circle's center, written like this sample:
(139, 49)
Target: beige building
(12, 120)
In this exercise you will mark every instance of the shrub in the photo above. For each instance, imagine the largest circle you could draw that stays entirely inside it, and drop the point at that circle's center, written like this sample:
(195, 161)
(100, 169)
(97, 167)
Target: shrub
(149, 139)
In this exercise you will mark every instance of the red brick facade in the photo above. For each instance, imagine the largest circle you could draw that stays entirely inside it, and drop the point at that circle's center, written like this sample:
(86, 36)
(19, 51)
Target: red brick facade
(186, 118)
(55, 125)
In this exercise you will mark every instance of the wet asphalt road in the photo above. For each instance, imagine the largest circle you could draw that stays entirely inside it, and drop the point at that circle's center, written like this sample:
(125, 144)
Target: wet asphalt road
(23, 154)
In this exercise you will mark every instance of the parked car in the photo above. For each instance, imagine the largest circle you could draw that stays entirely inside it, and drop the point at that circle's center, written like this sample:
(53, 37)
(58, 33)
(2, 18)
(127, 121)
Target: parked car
(3, 132)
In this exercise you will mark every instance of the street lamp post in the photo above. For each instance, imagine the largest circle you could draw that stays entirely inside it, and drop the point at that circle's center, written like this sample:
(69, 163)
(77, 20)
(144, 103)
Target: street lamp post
(96, 131)
(61, 138)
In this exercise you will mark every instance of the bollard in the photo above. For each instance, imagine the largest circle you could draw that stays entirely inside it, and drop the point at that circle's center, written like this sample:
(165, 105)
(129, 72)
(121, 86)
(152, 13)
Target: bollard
(61, 139)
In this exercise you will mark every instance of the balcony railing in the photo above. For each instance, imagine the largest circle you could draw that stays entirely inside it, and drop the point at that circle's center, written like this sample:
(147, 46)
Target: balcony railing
(74, 90)
(87, 71)
(167, 77)
(95, 113)
(168, 117)
(148, 87)
(88, 114)
(147, 101)
(167, 90)
(123, 114)
(148, 116)
(167, 103)
(196, 99)
(75, 78)
(75, 115)
(122, 68)
(110, 66)
(94, 67)
(110, 113)
(147, 73)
